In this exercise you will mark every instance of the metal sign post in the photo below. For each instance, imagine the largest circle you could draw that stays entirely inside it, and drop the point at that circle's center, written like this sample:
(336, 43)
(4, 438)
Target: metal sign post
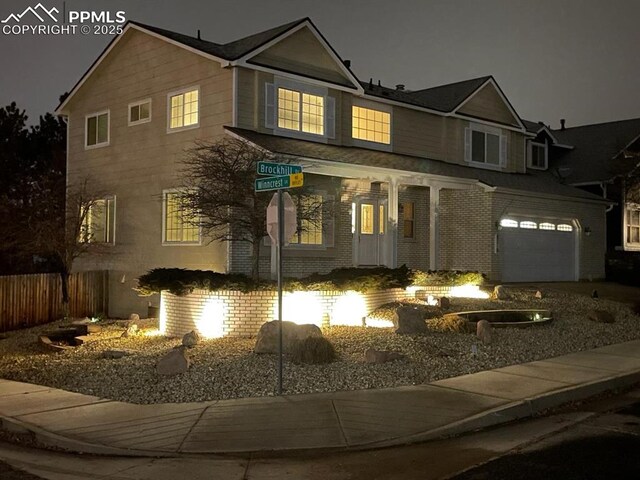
(289, 176)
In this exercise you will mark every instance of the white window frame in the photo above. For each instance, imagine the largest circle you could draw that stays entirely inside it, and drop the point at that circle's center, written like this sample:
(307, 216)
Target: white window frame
(530, 146)
(182, 91)
(503, 148)
(329, 113)
(137, 104)
(86, 129)
(110, 232)
(358, 142)
(166, 243)
(631, 246)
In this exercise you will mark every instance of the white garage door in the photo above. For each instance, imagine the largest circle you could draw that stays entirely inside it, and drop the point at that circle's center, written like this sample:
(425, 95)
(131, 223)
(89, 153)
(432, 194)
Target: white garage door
(534, 251)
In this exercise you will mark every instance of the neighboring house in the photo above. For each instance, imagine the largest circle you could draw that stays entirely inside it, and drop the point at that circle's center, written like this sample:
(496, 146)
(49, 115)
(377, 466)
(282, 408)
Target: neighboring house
(602, 159)
(438, 178)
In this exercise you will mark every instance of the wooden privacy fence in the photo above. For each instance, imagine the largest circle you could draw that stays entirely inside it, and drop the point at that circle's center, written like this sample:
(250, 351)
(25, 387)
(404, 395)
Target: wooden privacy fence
(28, 300)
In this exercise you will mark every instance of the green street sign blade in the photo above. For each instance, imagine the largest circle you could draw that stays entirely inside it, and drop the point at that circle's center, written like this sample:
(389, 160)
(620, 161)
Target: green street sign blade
(277, 183)
(277, 169)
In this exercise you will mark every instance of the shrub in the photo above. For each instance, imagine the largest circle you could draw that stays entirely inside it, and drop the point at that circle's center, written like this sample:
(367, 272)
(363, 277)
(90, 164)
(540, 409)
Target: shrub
(313, 350)
(447, 277)
(179, 281)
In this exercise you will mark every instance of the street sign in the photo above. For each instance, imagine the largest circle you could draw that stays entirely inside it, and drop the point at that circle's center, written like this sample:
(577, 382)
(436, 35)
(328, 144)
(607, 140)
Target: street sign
(276, 183)
(277, 169)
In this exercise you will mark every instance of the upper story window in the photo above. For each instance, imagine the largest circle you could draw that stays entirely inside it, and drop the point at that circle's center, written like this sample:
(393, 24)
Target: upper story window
(370, 125)
(295, 108)
(632, 226)
(537, 156)
(97, 130)
(485, 145)
(99, 222)
(140, 112)
(178, 220)
(184, 109)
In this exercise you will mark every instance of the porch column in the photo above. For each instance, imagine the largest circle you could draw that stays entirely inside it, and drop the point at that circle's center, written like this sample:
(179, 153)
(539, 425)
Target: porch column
(434, 227)
(392, 225)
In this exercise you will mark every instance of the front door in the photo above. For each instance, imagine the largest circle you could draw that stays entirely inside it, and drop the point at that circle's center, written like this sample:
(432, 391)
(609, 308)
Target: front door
(371, 226)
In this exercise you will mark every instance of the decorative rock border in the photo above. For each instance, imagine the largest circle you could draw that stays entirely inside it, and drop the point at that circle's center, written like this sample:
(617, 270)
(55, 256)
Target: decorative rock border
(237, 314)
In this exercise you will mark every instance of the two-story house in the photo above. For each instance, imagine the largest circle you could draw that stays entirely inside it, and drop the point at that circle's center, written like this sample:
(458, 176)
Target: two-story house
(439, 178)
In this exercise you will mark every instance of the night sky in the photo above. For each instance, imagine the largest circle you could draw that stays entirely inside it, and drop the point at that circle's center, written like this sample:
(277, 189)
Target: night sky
(578, 60)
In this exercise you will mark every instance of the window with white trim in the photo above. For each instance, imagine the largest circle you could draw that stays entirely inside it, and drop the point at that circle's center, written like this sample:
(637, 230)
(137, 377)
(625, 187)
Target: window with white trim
(296, 108)
(632, 225)
(184, 109)
(485, 145)
(98, 225)
(97, 129)
(370, 125)
(537, 153)
(140, 112)
(178, 222)
(309, 209)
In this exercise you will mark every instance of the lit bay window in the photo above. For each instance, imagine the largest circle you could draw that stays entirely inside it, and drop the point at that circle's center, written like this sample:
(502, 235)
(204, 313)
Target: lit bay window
(184, 109)
(370, 125)
(632, 224)
(292, 107)
(98, 225)
(179, 226)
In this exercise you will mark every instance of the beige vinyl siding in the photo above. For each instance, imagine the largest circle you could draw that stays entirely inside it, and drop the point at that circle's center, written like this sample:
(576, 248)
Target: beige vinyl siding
(303, 54)
(487, 104)
(418, 133)
(143, 160)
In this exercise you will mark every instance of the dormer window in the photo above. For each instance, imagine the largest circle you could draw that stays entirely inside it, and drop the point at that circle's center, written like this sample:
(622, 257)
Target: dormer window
(297, 109)
(537, 156)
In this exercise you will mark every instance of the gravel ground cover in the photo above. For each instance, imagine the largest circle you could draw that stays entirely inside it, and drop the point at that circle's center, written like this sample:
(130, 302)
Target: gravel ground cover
(228, 368)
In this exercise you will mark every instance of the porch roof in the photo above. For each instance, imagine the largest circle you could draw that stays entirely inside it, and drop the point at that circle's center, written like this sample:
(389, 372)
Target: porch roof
(542, 183)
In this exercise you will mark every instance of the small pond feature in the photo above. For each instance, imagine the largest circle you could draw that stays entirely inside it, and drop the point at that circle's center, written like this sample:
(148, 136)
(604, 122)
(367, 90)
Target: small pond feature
(509, 318)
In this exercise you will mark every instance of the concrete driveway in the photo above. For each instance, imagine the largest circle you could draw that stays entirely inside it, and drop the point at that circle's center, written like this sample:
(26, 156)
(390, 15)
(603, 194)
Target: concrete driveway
(607, 290)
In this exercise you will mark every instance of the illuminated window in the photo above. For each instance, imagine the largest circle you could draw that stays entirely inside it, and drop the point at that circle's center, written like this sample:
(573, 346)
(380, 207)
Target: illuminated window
(184, 109)
(98, 225)
(382, 219)
(563, 227)
(370, 125)
(140, 112)
(309, 208)
(633, 224)
(300, 111)
(508, 223)
(529, 225)
(179, 226)
(366, 219)
(408, 211)
(546, 226)
(97, 129)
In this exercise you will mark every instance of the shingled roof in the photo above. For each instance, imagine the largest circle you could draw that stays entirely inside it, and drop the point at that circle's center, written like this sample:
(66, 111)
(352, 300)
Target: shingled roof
(228, 51)
(596, 146)
(539, 182)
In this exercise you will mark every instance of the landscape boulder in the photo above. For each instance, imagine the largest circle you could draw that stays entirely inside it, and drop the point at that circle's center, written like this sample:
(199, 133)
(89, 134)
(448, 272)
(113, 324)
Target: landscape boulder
(190, 339)
(134, 317)
(444, 303)
(381, 356)
(131, 331)
(539, 294)
(409, 320)
(484, 332)
(600, 316)
(268, 336)
(500, 293)
(174, 362)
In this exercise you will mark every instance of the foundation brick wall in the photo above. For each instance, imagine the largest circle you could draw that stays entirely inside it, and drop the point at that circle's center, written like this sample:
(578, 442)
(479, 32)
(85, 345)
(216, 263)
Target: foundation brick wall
(242, 314)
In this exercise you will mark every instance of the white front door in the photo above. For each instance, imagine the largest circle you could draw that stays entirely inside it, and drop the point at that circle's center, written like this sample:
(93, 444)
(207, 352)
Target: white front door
(371, 226)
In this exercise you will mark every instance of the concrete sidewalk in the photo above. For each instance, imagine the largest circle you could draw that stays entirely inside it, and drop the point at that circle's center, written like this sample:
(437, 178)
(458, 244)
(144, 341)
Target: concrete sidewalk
(355, 419)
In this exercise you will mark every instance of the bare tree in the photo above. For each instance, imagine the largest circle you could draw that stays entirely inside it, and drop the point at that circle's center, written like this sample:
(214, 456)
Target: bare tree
(218, 180)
